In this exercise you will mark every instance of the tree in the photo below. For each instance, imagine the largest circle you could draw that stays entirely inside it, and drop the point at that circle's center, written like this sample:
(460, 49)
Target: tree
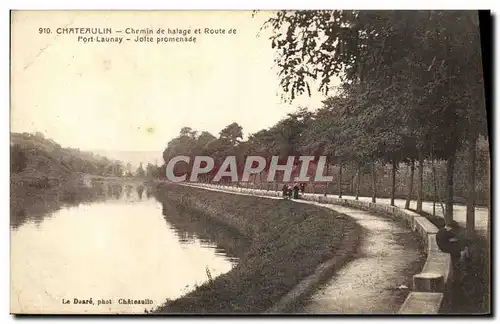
(232, 133)
(410, 184)
(263, 143)
(129, 169)
(140, 171)
(118, 169)
(408, 68)
(203, 142)
(151, 171)
(323, 134)
(461, 96)
(187, 132)
(18, 159)
(181, 145)
(288, 132)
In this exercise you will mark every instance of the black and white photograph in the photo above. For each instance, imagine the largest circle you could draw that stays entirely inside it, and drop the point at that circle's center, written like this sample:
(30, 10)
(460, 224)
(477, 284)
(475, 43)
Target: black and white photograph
(317, 162)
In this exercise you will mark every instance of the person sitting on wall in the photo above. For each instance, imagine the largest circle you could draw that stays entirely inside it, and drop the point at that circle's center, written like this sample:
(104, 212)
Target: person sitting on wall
(284, 190)
(448, 241)
(302, 188)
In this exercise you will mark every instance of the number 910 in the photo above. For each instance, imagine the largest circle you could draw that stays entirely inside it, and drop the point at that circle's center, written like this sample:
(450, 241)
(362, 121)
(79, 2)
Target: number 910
(44, 30)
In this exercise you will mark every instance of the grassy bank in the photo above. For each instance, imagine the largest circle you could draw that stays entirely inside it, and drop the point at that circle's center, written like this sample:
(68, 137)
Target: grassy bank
(288, 240)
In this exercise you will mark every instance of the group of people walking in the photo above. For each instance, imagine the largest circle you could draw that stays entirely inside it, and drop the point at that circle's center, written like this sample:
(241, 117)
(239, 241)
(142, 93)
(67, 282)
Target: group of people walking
(292, 191)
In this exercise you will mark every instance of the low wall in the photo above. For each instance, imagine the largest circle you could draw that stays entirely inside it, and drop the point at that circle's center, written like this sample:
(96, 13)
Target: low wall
(431, 286)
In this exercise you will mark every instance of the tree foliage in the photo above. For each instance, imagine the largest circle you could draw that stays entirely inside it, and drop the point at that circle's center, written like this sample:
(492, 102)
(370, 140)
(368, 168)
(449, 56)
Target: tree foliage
(411, 86)
(416, 78)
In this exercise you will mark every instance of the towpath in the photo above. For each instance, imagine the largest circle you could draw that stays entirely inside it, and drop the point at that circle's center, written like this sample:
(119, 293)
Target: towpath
(377, 279)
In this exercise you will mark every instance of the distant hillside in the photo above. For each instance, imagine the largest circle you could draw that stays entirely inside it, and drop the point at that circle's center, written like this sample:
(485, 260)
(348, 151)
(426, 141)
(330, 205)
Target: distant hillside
(133, 157)
(32, 155)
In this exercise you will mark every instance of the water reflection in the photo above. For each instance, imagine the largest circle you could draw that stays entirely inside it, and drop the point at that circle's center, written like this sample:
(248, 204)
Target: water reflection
(117, 191)
(30, 204)
(128, 191)
(109, 241)
(192, 226)
(140, 190)
(33, 205)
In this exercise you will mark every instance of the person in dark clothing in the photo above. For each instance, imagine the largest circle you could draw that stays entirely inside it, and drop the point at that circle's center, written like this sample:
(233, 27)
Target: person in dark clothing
(284, 190)
(302, 188)
(290, 192)
(449, 242)
(296, 191)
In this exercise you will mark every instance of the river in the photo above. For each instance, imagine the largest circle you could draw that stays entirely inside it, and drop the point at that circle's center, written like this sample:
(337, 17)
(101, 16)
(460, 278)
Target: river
(110, 243)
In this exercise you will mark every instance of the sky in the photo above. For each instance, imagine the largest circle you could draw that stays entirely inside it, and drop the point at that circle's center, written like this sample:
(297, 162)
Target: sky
(137, 96)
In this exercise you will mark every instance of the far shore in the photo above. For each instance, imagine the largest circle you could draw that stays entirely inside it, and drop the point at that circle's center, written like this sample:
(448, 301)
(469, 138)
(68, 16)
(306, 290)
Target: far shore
(75, 180)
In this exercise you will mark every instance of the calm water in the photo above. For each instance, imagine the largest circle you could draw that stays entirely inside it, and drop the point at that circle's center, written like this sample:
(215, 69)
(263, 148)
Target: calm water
(122, 244)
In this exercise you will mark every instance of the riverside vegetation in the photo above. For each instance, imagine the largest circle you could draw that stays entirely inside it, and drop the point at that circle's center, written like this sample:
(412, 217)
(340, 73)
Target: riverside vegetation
(45, 176)
(410, 107)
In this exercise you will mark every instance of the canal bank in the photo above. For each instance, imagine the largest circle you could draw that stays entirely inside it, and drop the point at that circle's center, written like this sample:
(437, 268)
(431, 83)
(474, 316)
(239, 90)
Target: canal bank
(282, 235)
(378, 278)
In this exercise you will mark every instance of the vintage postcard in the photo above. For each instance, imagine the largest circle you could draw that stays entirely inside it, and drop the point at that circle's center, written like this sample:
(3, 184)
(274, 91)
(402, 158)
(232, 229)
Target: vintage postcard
(249, 162)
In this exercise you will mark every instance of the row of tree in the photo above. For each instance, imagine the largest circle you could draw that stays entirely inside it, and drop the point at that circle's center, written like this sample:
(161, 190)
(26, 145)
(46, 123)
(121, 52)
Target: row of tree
(412, 84)
(349, 178)
(412, 92)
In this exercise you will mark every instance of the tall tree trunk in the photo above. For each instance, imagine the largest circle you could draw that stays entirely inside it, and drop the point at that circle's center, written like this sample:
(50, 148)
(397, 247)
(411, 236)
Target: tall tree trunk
(450, 167)
(393, 185)
(488, 237)
(434, 181)
(420, 191)
(410, 184)
(326, 184)
(340, 180)
(352, 185)
(374, 184)
(358, 181)
(471, 185)
(436, 196)
(488, 225)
